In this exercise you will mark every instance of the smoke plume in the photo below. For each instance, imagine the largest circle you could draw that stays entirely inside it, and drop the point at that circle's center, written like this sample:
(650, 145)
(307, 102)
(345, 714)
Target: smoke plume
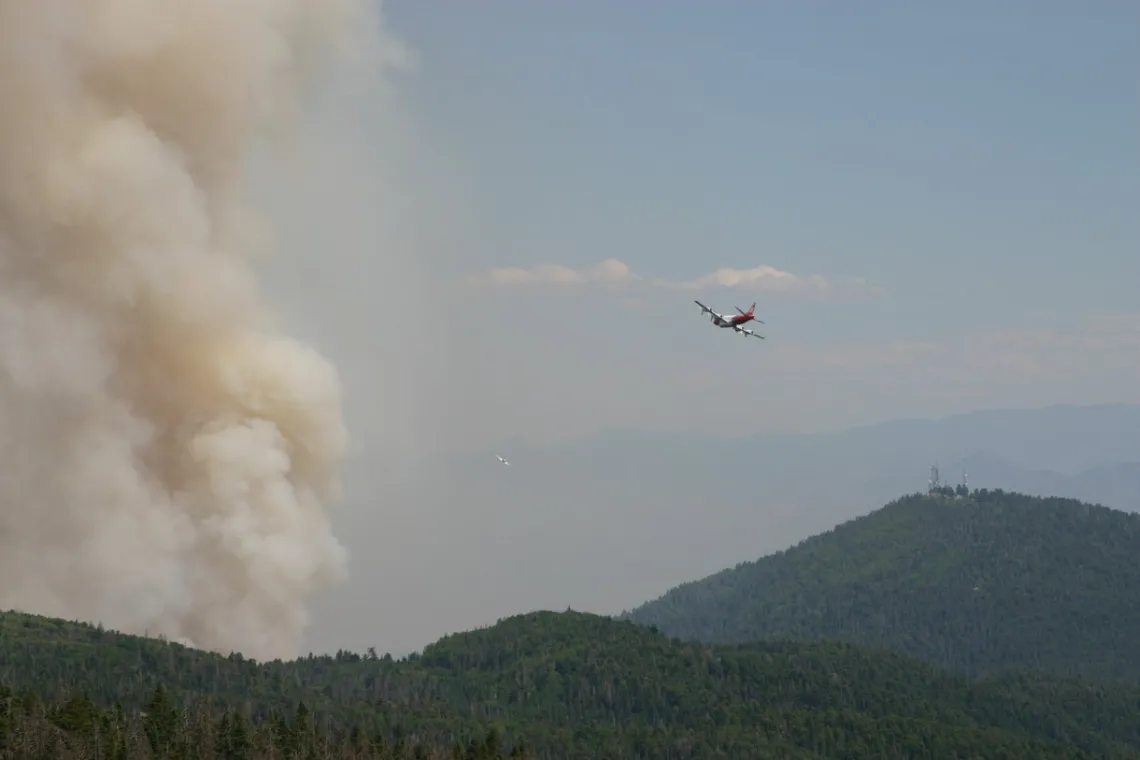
(167, 458)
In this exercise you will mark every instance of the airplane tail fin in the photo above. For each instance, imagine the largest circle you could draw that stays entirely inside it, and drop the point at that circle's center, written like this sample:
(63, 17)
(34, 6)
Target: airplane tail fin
(752, 309)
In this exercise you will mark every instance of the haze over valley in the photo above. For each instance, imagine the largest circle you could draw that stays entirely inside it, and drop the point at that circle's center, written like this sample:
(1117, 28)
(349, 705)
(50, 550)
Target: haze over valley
(609, 521)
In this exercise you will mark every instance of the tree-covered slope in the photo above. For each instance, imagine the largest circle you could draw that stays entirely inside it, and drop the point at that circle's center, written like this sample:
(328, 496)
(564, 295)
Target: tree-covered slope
(576, 686)
(975, 584)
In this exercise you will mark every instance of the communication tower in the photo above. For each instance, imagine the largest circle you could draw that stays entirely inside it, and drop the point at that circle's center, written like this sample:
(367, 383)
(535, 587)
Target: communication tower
(935, 484)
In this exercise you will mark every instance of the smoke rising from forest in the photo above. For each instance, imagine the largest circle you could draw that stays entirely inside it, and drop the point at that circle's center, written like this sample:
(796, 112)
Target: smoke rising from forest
(167, 457)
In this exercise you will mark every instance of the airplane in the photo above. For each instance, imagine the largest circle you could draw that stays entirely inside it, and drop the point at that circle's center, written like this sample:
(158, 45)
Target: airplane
(736, 320)
(503, 461)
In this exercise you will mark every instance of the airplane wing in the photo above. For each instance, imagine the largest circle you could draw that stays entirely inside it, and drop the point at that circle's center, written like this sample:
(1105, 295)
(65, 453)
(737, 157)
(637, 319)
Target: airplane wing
(742, 331)
(705, 309)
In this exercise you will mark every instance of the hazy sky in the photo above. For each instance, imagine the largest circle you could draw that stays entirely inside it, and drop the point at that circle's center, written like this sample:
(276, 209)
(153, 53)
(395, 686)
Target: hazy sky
(934, 205)
(953, 190)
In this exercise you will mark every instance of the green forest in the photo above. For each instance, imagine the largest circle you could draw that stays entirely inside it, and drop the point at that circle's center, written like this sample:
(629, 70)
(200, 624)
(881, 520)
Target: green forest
(552, 685)
(976, 583)
(576, 685)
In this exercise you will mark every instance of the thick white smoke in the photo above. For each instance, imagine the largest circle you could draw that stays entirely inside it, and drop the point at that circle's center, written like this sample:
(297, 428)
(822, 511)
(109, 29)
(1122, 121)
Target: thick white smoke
(166, 459)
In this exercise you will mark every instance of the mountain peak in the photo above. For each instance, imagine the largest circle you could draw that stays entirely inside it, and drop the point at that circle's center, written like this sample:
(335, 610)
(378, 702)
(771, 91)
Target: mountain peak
(974, 584)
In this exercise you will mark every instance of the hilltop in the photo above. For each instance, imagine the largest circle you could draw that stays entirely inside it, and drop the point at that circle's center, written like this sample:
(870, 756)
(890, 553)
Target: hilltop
(567, 685)
(627, 515)
(976, 584)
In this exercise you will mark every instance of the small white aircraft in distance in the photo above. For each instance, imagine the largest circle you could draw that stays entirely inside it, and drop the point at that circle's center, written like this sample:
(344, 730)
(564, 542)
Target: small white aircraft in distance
(735, 321)
(502, 461)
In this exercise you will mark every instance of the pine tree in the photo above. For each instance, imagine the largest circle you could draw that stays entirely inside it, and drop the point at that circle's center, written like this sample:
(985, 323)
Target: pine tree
(162, 723)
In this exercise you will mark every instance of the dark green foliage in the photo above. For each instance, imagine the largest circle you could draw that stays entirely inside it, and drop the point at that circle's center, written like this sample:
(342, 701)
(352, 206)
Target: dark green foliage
(199, 732)
(975, 583)
(565, 685)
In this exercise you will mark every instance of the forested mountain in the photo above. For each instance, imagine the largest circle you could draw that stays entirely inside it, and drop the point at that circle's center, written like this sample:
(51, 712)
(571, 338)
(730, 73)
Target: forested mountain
(567, 685)
(975, 584)
(627, 515)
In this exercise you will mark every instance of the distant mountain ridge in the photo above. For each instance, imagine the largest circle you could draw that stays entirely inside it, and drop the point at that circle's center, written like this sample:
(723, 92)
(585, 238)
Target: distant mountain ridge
(1116, 485)
(604, 522)
(979, 584)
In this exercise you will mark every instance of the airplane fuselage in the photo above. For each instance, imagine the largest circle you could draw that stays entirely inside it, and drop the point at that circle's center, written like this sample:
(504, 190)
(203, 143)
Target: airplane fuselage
(720, 321)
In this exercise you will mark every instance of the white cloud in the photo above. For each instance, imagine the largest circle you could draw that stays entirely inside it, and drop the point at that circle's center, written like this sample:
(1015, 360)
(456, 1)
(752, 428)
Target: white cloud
(759, 279)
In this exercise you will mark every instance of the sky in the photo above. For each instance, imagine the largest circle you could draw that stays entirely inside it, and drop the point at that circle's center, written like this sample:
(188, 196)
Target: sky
(934, 207)
(951, 189)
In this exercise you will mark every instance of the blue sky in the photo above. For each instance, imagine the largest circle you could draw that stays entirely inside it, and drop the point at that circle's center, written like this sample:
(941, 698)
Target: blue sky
(976, 163)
